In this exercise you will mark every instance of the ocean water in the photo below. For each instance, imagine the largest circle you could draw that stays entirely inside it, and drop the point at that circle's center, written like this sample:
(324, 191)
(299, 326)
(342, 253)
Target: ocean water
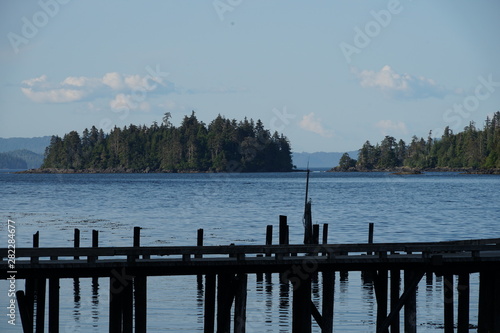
(235, 208)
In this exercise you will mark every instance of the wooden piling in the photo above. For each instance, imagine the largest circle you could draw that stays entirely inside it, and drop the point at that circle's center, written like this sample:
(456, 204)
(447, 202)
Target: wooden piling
(127, 307)
(301, 306)
(137, 236)
(76, 241)
(115, 307)
(40, 305)
(370, 235)
(225, 295)
(325, 233)
(140, 296)
(315, 234)
(95, 238)
(395, 286)
(209, 303)
(283, 230)
(53, 305)
(463, 303)
(485, 302)
(240, 303)
(26, 316)
(410, 311)
(448, 302)
(380, 283)
(269, 235)
(328, 303)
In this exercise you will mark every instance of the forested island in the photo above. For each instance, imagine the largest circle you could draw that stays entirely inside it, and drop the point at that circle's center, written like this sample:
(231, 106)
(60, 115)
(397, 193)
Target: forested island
(472, 150)
(223, 146)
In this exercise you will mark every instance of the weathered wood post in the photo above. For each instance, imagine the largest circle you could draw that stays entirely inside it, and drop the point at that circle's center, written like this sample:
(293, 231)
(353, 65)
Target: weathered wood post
(26, 316)
(127, 307)
(395, 286)
(225, 296)
(301, 305)
(115, 307)
(40, 305)
(95, 243)
(315, 234)
(283, 232)
(486, 321)
(463, 303)
(269, 237)
(209, 303)
(328, 300)
(76, 241)
(240, 303)
(139, 294)
(53, 303)
(448, 302)
(410, 310)
(380, 283)
(370, 235)
(325, 233)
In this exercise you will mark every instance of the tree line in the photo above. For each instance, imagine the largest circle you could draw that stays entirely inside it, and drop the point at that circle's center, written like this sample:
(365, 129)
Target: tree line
(472, 148)
(223, 146)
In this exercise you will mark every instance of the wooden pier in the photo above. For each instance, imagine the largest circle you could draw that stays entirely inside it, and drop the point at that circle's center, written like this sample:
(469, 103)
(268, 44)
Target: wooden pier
(396, 270)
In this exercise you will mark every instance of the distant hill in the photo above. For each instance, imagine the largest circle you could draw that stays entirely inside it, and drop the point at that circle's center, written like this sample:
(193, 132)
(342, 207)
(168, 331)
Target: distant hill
(36, 145)
(319, 159)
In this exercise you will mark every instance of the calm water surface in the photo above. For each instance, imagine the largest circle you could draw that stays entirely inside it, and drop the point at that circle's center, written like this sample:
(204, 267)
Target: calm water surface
(235, 208)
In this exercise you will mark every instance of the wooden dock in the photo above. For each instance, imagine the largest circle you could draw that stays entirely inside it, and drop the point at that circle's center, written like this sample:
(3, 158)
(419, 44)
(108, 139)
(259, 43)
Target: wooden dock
(396, 270)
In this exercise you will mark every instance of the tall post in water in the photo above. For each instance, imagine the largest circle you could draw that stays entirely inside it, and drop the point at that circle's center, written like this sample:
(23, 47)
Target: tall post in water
(308, 228)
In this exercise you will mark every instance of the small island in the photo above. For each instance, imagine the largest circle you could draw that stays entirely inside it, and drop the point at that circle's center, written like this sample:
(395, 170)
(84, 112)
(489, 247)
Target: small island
(223, 146)
(472, 151)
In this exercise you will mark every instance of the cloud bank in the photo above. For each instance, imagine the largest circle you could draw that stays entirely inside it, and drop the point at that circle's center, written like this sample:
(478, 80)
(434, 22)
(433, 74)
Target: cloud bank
(312, 124)
(122, 91)
(401, 85)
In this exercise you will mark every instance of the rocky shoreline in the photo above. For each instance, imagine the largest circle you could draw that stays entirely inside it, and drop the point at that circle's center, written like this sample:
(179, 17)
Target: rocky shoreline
(417, 171)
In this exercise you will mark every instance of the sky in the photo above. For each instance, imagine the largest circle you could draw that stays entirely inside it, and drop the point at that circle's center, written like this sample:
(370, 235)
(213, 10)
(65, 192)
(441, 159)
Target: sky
(329, 75)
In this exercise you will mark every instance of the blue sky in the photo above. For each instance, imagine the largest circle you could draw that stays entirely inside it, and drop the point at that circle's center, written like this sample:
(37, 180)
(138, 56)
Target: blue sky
(328, 74)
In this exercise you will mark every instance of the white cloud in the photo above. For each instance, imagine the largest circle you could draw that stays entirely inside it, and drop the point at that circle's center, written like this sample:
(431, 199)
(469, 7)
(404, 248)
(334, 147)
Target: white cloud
(54, 95)
(41, 80)
(122, 91)
(310, 123)
(128, 102)
(388, 127)
(401, 85)
(81, 81)
(113, 80)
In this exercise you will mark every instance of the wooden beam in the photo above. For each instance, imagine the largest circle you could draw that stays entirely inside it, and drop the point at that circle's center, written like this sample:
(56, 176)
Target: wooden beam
(24, 311)
(410, 285)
